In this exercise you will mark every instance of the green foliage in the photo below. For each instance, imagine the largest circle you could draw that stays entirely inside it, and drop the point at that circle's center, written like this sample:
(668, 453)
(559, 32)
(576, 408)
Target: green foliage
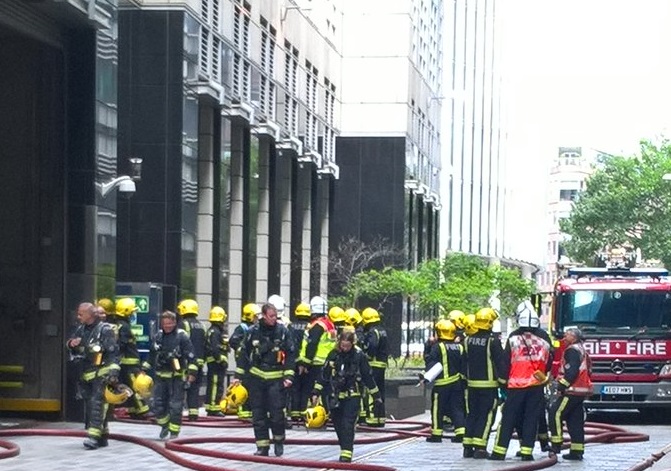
(626, 203)
(459, 281)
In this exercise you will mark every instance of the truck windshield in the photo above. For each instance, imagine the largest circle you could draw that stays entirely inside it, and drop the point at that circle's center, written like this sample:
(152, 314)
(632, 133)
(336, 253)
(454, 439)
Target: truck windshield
(613, 309)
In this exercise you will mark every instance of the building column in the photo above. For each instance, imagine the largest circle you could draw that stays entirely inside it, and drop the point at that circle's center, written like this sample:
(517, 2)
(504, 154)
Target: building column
(284, 174)
(205, 226)
(263, 221)
(323, 187)
(304, 192)
(235, 300)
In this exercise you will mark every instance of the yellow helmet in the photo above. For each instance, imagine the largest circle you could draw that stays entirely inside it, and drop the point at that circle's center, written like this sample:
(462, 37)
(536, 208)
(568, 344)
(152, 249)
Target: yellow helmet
(457, 317)
(302, 311)
(226, 407)
(469, 324)
(107, 304)
(117, 394)
(250, 311)
(337, 314)
(236, 395)
(187, 306)
(370, 315)
(315, 417)
(125, 307)
(446, 329)
(217, 314)
(485, 317)
(353, 317)
(142, 385)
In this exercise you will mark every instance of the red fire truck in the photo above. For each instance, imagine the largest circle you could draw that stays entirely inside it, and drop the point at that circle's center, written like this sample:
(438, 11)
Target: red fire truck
(625, 315)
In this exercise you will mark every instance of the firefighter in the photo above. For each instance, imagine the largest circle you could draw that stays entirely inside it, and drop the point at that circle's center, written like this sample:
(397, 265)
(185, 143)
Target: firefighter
(338, 317)
(447, 394)
(105, 308)
(374, 346)
(94, 348)
(216, 359)
(188, 312)
(300, 389)
(119, 319)
(346, 372)
(318, 342)
(280, 306)
(266, 362)
(249, 317)
(457, 318)
(484, 364)
(355, 321)
(573, 385)
(174, 363)
(527, 361)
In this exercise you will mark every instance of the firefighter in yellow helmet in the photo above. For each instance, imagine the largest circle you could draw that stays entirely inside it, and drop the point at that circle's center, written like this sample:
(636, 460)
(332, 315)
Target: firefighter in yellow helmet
(300, 390)
(105, 308)
(447, 394)
(374, 345)
(248, 318)
(338, 317)
(94, 348)
(174, 363)
(216, 358)
(484, 363)
(188, 312)
(119, 319)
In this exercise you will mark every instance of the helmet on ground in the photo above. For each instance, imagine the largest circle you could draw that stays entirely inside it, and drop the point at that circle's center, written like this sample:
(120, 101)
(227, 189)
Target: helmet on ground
(217, 314)
(315, 417)
(277, 301)
(302, 311)
(250, 311)
(107, 304)
(125, 307)
(353, 317)
(142, 385)
(337, 314)
(457, 317)
(370, 315)
(318, 306)
(485, 317)
(226, 407)
(527, 315)
(187, 306)
(236, 395)
(446, 329)
(117, 394)
(469, 324)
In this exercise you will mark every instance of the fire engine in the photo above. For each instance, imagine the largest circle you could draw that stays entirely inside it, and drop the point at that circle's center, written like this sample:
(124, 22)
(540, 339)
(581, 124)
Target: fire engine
(625, 316)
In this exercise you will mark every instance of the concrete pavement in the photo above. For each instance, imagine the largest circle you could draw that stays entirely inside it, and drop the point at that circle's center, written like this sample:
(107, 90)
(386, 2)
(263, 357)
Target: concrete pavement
(55, 453)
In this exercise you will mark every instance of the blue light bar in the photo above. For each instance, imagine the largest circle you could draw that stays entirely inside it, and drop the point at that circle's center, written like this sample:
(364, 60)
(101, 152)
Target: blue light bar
(622, 272)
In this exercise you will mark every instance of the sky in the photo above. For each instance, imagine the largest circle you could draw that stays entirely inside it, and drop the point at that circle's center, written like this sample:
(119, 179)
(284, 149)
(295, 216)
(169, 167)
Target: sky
(590, 73)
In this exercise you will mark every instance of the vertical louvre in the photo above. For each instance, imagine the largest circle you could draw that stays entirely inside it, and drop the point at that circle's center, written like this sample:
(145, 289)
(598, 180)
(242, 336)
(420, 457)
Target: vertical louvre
(204, 52)
(237, 75)
(215, 15)
(272, 109)
(216, 59)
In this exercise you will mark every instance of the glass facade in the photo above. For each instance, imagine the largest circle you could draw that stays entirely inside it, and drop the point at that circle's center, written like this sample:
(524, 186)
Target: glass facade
(189, 193)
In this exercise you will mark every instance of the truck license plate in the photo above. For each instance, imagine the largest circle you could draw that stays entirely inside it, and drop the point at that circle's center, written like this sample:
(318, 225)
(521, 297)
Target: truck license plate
(617, 390)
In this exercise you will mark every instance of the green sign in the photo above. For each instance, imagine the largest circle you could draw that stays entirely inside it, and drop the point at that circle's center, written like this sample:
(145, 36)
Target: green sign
(142, 303)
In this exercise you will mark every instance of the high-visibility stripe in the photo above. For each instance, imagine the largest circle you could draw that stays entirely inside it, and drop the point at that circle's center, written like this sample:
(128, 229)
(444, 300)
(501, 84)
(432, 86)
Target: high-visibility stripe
(11, 384)
(11, 369)
(266, 374)
(130, 361)
(30, 404)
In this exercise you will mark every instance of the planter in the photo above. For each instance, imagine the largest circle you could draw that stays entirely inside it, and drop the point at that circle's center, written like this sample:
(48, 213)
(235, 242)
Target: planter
(403, 399)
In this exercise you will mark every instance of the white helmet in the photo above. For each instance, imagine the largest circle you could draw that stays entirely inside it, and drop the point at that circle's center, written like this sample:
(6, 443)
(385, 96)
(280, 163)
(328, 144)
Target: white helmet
(318, 306)
(277, 301)
(527, 315)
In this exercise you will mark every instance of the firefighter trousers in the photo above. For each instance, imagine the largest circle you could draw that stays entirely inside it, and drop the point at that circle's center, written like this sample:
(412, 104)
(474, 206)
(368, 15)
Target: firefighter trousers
(267, 399)
(96, 409)
(168, 402)
(216, 374)
(301, 390)
(523, 406)
(481, 411)
(376, 411)
(570, 409)
(448, 400)
(344, 418)
(193, 394)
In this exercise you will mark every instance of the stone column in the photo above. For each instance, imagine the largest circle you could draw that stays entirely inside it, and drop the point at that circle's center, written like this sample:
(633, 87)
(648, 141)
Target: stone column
(304, 192)
(205, 210)
(284, 193)
(237, 230)
(263, 221)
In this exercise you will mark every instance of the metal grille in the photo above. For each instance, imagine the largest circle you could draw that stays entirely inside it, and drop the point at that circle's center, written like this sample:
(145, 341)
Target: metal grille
(630, 366)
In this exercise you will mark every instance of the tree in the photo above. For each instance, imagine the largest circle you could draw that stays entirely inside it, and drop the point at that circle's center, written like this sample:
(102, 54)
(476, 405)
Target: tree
(626, 203)
(459, 281)
(350, 258)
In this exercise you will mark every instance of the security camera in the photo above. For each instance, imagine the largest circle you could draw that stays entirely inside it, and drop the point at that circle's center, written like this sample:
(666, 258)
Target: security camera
(126, 188)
